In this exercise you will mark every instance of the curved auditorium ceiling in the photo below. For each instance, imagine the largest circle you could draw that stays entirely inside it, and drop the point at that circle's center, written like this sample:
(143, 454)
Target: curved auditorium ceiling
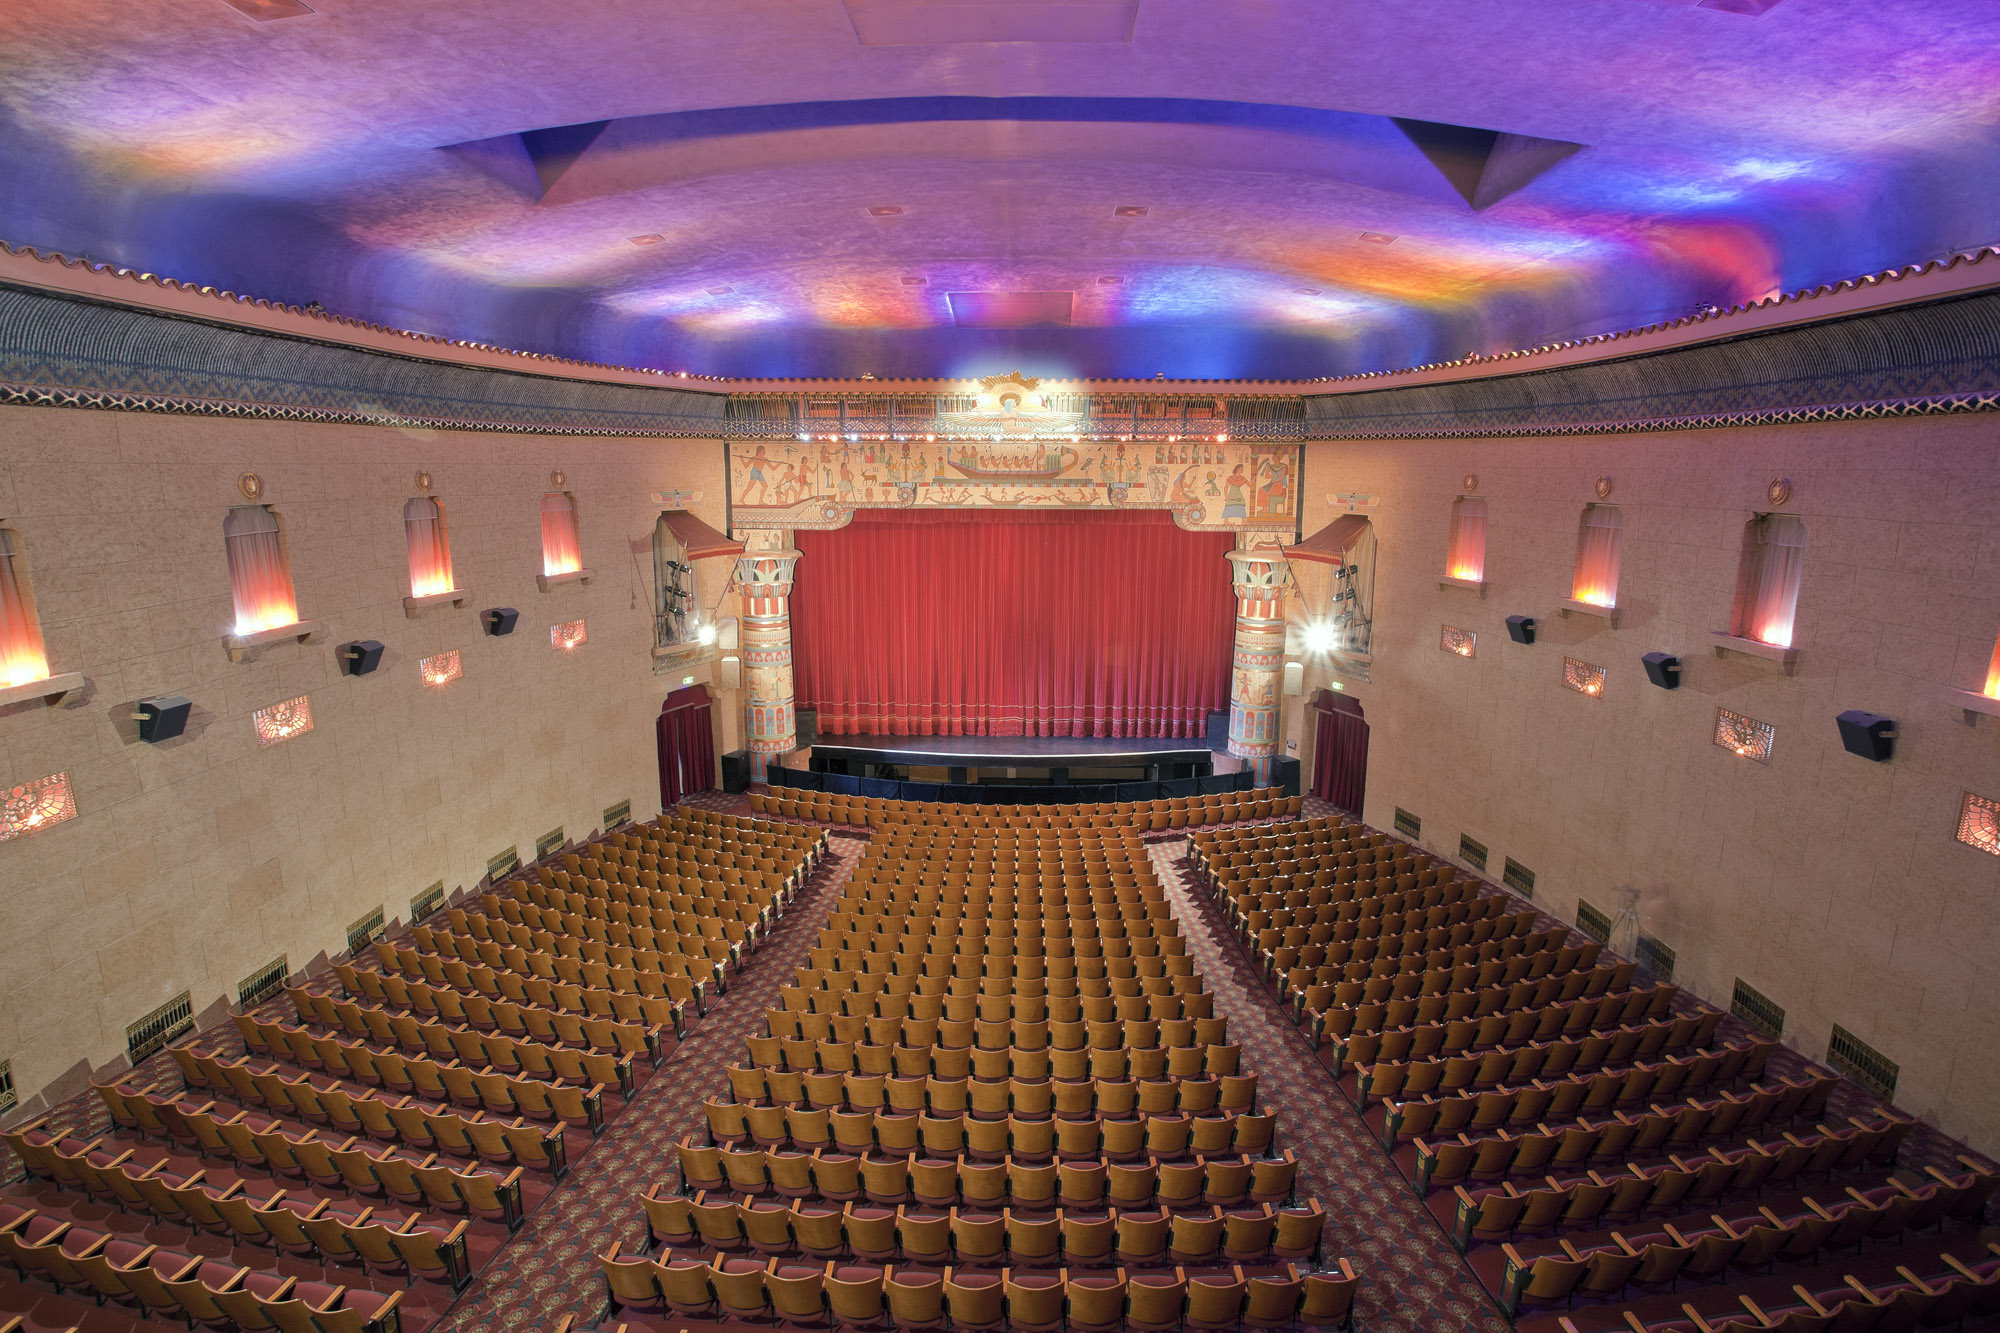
(1206, 188)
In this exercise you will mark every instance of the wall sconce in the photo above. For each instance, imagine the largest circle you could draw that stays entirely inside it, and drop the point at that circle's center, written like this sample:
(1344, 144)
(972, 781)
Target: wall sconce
(567, 636)
(1462, 642)
(1745, 735)
(1321, 637)
(1583, 677)
(705, 635)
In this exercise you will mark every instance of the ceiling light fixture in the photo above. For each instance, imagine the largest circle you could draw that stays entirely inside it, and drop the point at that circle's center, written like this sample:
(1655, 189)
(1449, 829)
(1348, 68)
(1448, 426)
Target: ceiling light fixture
(720, 291)
(886, 211)
(1129, 211)
(1378, 237)
(1109, 280)
(912, 280)
(650, 238)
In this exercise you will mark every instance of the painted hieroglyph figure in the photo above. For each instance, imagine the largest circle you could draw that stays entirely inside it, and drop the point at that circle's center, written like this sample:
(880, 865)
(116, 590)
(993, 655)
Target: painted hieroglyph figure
(1012, 450)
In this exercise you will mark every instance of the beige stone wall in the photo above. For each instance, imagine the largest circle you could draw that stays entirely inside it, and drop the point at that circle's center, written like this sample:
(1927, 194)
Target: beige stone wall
(198, 861)
(1830, 883)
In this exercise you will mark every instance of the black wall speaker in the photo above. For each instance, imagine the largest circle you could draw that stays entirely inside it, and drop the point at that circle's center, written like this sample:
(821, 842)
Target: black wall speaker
(807, 726)
(499, 620)
(162, 718)
(1867, 735)
(736, 771)
(1521, 629)
(1663, 669)
(360, 657)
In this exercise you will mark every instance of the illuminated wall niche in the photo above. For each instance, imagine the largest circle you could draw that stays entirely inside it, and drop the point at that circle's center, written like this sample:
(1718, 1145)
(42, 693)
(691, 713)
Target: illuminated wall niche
(1993, 673)
(562, 551)
(23, 658)
(260, 572)
(33, 806)
(1465, 549)
(1595, 581)
(283, 721)
(441, 668)
(430, 547)
(568, 635)
(1459, 642)
(1767, 580)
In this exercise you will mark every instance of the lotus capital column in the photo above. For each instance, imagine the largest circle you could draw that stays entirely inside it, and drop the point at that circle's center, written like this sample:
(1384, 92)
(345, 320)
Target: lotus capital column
(770, 723)
(1261, 579)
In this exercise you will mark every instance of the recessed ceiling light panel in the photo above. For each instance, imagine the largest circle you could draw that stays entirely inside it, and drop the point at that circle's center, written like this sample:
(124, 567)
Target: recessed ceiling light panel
(886, 211)
(1378, 237)
(651, 238)
(1130, 211)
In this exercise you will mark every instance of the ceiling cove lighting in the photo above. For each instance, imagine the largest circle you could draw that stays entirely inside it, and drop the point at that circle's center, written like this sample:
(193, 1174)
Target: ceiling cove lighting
(283, 721)
(34, 805)
(441, 668)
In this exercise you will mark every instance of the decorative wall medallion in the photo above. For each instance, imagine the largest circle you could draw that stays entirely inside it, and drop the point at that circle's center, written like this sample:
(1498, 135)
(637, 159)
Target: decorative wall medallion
(1780, 490)
(423, 483)
(1604, 488)
(556, 480)
(1471, 483)
(251, 485)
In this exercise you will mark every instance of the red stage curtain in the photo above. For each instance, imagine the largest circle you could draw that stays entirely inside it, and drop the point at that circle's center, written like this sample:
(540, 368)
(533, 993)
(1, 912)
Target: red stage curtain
(687, 745)
(959, 624)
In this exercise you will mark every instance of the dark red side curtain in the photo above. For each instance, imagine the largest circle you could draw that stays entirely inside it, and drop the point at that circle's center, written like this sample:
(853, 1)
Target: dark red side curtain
(978, 624)
(687, 745)
(1340, 751)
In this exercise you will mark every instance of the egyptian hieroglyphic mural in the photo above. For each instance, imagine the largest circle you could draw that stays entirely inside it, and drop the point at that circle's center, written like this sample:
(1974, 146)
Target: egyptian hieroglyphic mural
(1014, 453)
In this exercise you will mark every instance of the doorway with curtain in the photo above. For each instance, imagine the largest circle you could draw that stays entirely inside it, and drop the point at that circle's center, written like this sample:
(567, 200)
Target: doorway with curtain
(1340, 751)
(687, 745)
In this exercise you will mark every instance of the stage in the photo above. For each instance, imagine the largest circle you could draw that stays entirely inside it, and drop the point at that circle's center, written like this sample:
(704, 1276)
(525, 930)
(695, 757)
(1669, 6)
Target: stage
(1056, 761)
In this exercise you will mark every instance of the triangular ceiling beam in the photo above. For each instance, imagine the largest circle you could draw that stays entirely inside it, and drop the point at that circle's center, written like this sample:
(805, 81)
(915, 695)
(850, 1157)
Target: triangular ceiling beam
(1484, 166)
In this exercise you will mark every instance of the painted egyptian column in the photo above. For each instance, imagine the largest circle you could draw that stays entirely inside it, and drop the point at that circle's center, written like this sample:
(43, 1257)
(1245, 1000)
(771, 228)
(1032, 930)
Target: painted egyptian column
(1261, 579)
(770, 725)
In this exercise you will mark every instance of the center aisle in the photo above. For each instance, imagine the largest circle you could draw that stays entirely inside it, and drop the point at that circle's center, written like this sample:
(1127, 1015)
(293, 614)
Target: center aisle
(549, 1270)
(1415, 1282)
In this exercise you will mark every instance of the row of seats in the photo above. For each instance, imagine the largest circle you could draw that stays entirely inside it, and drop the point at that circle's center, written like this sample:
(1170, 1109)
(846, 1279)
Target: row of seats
(1066, 1099)
(1161, 998)
(177, 1285)
(944, 1182)
(1562, 1272)
(1648, 1007)
(465, 964)
(1399, 1080)
(445, 1040)
(1029, 1063)
(494, 1000)
(1443, 994)
(551, 1083)
(1091, 1238)
(1497, 1215)
(333, 1232)
(858, 1297)
(476, 936)
(1853, 1296)
(876, 812)
(126, 1181)
(1167, 1138)
(1576, 1093)
(592, 915)
(996, 1038)
(268, 1142)
(619, 926)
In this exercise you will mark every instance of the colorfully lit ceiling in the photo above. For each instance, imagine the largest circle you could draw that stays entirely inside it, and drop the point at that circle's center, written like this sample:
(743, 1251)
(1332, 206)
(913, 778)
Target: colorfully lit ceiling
(1212, 188)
